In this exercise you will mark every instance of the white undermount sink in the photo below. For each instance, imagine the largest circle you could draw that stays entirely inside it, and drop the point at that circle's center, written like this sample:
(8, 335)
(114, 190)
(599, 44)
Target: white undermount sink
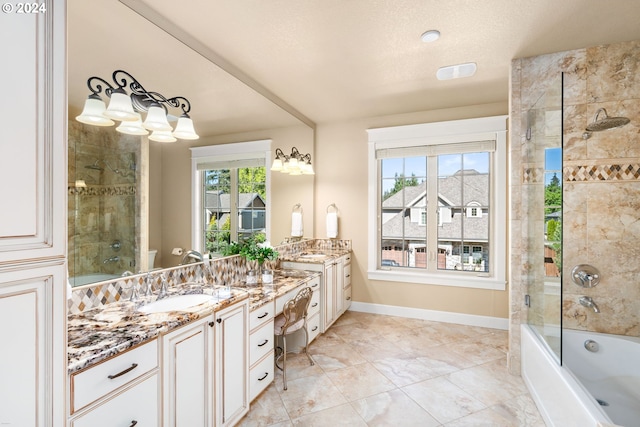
(176, 303)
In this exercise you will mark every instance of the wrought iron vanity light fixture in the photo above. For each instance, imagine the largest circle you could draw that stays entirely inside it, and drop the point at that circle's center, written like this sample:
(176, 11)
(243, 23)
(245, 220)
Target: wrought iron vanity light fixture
(293, 164)
(127, 108)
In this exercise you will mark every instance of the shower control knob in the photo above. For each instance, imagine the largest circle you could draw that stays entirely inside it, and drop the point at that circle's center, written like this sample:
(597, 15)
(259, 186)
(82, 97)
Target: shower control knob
(585, 276)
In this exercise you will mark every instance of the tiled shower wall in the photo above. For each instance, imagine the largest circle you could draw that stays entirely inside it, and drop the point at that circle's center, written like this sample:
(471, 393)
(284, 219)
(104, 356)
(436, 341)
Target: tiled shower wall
(107, 208)
(601, 179)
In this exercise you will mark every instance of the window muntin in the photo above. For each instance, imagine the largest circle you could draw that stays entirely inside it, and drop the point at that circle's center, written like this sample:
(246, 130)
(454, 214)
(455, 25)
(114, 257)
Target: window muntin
(430, 140)
(405, 218)
(234, 207)
(230, 189)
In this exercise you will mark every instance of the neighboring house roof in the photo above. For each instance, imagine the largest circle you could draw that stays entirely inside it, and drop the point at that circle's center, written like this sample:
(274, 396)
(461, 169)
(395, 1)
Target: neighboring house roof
(219, 201)
(455, 191)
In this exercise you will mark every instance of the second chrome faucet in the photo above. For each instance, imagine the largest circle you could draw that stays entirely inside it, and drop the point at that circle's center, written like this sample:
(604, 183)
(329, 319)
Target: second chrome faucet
(589, 303)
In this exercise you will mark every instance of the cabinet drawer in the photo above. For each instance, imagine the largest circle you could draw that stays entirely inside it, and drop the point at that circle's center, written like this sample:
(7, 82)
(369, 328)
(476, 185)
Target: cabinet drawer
(261, 375)
(347, 298)
(260, 342)
(314, 305)
(98, 381)
(137, 405)
(347, 276)
(314, 284)
(313, 326)
(260, 315)
(281, 300)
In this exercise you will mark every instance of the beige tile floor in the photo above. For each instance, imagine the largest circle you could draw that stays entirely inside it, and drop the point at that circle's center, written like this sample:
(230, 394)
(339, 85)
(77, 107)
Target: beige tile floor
(375, 370)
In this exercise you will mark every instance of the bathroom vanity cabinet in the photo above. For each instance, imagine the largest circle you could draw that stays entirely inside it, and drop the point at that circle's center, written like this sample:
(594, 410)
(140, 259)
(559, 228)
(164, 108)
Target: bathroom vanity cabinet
(123, 390)
(335, 288)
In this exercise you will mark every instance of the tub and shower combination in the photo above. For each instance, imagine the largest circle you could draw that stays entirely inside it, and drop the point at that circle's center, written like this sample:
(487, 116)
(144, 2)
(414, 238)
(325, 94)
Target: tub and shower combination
(578, 377)
(598, 381)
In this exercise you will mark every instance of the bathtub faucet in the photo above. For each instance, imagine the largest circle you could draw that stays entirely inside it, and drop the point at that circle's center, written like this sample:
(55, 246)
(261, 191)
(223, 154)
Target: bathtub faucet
(114, 258)
(588, 302)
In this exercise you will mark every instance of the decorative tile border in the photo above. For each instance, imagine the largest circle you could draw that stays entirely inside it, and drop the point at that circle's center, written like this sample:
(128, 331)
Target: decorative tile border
(585, 173)
(225, 270)
(532, 175)
(111, 190)
(615, 172)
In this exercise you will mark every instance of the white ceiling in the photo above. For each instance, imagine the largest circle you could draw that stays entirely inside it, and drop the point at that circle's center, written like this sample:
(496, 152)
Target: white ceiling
(326, 60)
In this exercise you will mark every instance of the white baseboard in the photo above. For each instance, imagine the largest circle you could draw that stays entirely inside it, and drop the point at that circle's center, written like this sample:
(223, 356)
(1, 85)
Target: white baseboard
(437, 316)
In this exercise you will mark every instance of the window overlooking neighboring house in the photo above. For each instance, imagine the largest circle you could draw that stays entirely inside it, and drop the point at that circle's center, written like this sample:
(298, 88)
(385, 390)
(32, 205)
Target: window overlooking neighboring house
(230, 194)
(436, 193)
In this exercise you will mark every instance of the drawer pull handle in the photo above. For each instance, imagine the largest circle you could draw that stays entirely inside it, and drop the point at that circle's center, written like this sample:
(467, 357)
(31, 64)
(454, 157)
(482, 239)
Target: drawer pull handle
(266, 313)
(266, 374)
(314, 305)
(315, 286)
(314, 329)
(219, 320)
(348, 275)
(129, 369)
(348, 298)
(133, 423)
(263, 343)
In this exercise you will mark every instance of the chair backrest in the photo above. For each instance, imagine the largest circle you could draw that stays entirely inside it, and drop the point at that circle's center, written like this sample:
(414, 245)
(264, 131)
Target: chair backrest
(296, 308)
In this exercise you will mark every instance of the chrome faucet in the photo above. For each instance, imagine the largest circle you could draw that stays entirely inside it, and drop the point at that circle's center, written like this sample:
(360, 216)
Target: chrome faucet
(163, 287)
(191, 256)
(588, 302)
(114, 258)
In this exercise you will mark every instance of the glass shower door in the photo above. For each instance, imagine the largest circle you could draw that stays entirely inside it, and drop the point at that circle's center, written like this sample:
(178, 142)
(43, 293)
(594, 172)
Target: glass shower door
(542, 201)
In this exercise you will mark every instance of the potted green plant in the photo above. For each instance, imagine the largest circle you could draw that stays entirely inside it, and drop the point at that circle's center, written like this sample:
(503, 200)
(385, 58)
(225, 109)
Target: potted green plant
(255, 249)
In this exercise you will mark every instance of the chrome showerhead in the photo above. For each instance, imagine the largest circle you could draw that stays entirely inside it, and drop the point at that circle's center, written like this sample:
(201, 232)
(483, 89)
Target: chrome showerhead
(606, 122)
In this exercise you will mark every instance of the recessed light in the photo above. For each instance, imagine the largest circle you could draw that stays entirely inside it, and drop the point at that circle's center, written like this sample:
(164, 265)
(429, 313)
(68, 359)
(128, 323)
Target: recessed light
(430, 36)
(456, 71)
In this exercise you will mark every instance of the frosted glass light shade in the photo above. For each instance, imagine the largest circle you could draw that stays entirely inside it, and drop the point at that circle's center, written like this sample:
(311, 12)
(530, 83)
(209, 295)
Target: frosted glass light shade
(184, 129)
(120, 108)
(162, 136)
(156, 119)
(93, 113)
(277, 165)
(307, 169)
(133, 128)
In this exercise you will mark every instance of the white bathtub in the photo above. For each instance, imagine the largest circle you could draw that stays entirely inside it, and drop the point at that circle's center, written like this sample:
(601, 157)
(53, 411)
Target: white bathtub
(90, 278)
(611, 374)
(559, 396)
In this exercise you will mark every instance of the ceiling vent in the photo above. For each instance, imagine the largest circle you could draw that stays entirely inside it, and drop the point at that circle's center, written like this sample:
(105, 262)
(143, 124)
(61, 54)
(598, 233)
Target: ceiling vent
(456, 71)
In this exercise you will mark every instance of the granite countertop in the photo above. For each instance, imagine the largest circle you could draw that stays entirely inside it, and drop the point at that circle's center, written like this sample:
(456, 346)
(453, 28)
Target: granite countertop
(97, 334)
(315, 256)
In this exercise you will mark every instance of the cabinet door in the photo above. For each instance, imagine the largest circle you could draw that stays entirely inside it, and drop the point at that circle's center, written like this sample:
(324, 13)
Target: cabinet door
(339, 288)
(137, 405)
(232, 363)
(329, 296)
(26, 361)
(33, 147)
(188, 373)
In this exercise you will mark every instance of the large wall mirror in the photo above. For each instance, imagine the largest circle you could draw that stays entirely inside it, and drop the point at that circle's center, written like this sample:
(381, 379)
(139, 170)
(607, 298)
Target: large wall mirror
(128, 195)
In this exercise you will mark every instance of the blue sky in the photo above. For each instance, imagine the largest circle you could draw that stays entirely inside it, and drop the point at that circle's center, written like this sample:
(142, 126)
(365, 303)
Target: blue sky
(552, 164)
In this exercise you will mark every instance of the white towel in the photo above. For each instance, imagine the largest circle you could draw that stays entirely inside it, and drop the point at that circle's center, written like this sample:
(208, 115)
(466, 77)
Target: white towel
(332, 225)
(296, 224)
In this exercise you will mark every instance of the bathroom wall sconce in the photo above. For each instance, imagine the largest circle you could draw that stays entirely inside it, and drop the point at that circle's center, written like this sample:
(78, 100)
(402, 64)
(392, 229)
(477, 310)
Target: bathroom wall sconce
(293, 164)
(128, 108)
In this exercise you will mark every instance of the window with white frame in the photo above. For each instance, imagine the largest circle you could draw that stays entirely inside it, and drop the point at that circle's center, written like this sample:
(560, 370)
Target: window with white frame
(230, 194)
(436, 193)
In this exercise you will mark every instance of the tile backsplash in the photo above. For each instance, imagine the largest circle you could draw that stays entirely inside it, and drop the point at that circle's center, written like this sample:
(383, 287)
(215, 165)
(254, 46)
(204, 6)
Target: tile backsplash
(227, 270)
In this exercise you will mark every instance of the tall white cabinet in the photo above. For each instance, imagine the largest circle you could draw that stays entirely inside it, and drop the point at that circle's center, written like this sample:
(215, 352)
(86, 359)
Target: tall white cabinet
(32, 216)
